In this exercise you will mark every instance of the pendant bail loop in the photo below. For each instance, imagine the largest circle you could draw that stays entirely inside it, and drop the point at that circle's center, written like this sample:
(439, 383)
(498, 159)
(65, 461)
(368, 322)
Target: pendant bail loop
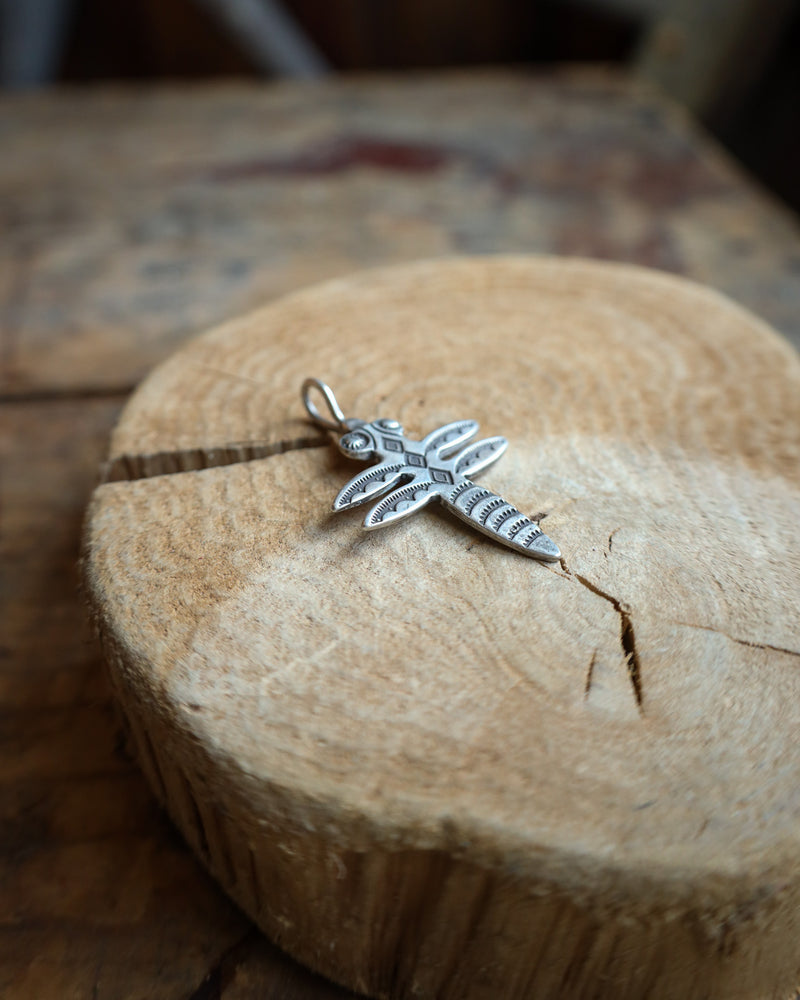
(339, 422)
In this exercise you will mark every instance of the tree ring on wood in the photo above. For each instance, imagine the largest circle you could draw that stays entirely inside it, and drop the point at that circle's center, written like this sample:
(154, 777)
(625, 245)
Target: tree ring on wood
(485, 776)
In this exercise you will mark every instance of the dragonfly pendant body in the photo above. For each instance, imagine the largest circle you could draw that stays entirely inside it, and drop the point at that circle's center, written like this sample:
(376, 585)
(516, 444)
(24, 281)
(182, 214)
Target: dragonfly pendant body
(409, 474)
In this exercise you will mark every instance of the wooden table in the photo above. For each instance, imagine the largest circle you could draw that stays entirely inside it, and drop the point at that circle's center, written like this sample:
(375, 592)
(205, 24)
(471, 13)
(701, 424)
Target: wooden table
(134, 218)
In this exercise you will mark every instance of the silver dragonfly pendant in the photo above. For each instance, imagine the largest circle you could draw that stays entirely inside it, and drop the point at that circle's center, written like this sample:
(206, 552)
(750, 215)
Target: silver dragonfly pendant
(410, 474)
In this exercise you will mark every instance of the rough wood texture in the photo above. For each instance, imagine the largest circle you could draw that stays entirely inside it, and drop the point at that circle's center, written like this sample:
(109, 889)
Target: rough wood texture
(96, 892)
(115, 249)
(132, 219)
(99, 897)
(424, 765)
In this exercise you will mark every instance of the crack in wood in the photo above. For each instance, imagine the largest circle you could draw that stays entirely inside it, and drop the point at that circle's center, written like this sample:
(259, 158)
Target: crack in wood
(128, 468)
(741, 642)
(66, 395)
(219, 977)
(589, 674)
(627, 636)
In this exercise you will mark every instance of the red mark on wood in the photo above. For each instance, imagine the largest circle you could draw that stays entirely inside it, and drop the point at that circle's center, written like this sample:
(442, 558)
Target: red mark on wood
(338, 155)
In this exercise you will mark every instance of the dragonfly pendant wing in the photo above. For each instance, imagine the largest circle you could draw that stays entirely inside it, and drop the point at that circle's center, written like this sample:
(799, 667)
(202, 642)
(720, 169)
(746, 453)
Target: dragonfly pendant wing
(479, 456)
(444, 440)
(368, 485)
(400, 503)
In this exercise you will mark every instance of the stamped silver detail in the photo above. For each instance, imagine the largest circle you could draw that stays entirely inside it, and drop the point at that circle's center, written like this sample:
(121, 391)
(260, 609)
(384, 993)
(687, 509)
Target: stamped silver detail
(412, 473)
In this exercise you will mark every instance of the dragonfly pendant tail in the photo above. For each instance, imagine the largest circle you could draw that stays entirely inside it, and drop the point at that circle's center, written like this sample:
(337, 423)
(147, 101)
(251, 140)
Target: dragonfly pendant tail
(410, 474)
(501, 520)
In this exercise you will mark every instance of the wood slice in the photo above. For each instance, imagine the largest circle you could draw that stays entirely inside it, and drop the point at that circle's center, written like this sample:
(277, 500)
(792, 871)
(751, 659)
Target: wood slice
(428, 766)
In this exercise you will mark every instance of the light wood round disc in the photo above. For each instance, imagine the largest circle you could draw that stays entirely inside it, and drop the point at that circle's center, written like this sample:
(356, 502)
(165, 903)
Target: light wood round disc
(424, 764)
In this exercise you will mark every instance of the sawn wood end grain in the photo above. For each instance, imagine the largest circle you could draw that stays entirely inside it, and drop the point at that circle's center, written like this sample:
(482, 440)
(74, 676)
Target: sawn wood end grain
(427, 766)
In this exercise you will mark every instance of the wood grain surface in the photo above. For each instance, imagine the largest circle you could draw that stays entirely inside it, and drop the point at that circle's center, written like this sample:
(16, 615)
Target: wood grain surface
(99, 896)
(132, 219)
(421, 764)
(121, 239)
